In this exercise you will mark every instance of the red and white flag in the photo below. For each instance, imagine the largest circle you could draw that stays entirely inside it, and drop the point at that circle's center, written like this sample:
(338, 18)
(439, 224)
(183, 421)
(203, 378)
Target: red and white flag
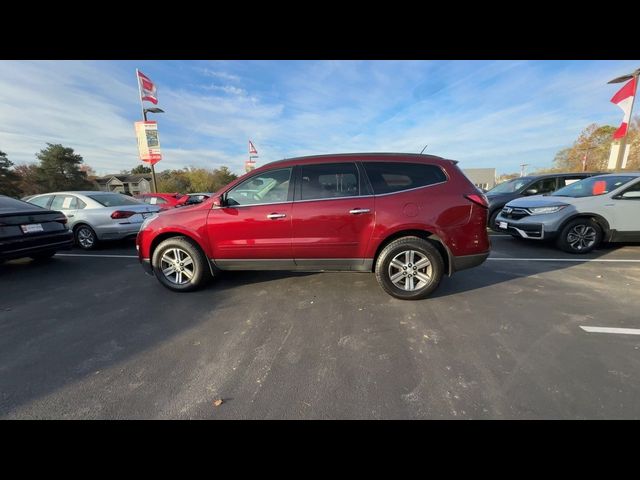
(148, 89)
(624, 99)
(252, 149)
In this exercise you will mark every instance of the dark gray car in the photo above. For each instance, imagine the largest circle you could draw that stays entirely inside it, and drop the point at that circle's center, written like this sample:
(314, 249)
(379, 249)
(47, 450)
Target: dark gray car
(503, 193)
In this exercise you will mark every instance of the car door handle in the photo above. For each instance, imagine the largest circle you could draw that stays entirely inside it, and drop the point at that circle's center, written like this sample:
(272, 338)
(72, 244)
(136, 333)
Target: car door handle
(273, 216)
(69, 216)
(357, 211)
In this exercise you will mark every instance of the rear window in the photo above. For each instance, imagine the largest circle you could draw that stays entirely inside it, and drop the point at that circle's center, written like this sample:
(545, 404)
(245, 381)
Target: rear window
(388, 177)
(114, 200)
(8, 203)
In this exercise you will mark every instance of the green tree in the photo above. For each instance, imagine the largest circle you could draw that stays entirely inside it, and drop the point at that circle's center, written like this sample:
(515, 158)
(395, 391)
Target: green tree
(59, 169)
(222, 176)
(8, 178)
(170, 181)
(140, 169)
(594, 143)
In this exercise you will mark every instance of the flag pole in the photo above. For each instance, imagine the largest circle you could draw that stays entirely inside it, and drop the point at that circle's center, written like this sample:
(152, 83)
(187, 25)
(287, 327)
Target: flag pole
(144, 117)
(623, 140)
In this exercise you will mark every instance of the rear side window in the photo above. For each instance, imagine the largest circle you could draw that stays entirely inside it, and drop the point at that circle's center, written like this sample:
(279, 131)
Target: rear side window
(332, 180)
(389, 177)
(41, 201)
(114, 200)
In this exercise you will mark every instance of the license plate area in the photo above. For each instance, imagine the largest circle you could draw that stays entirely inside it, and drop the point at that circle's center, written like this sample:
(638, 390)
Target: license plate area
(32, 228)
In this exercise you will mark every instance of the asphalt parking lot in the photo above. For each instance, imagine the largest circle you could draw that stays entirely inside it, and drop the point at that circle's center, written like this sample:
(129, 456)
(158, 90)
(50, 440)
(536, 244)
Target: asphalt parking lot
(90, 336)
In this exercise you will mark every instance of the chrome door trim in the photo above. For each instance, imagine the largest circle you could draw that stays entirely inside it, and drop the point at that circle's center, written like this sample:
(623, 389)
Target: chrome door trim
(314, 264)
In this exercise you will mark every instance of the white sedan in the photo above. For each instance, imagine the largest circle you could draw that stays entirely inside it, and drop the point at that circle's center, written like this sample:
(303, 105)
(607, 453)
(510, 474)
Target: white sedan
(95, 216)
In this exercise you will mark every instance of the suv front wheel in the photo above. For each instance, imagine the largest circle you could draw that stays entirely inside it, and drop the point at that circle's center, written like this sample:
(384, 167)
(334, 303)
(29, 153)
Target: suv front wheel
(409, 268)
(179, 264)
(580, 236)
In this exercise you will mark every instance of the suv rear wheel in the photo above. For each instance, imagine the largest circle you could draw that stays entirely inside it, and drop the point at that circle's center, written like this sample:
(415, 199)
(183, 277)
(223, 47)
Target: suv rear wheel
(409, 268)
(579, 236)
(180, 265)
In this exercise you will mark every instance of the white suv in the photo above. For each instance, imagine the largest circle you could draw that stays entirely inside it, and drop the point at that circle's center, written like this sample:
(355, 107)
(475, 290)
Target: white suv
(579, 216)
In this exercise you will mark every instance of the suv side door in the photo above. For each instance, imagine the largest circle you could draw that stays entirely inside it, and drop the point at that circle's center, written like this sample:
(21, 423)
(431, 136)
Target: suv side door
(624, 213)
(543, 185)
(252, 230)
(333, 216)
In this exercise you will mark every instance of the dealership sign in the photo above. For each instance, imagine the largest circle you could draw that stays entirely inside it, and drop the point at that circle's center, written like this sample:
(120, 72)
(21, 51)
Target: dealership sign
(148, 142)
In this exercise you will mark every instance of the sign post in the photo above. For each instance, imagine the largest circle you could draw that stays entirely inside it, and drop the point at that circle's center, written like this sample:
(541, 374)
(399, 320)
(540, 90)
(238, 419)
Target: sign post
(149, 145)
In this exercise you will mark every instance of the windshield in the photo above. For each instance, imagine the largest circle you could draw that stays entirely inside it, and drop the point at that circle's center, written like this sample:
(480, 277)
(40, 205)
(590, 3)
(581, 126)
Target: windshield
(114, 199)
(510, 186)
(593, 186)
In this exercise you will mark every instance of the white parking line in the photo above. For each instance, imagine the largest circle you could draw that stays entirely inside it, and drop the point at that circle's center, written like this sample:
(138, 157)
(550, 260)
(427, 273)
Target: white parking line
(92, 255)
(579, 260)
(622, 331)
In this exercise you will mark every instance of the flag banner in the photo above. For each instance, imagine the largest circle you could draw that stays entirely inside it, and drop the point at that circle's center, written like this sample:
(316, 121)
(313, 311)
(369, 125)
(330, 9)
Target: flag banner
(148, 90)
(624, 100)
(148, 142)
(252, 149)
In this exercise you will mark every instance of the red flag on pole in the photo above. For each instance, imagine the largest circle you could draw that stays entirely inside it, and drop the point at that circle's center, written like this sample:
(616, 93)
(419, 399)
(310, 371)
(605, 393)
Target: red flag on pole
(252, 149)
(624, 99)
(148, 89)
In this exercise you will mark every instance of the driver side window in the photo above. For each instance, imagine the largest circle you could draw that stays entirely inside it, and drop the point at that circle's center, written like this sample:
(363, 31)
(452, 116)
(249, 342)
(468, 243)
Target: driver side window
(267, 187)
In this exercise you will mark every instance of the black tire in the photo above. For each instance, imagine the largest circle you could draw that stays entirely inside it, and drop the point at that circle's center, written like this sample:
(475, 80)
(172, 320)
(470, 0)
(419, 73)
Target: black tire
(43, 257)
(200, 272)
(580, 228)
(85, 237)
(397, 248)
(492, 220)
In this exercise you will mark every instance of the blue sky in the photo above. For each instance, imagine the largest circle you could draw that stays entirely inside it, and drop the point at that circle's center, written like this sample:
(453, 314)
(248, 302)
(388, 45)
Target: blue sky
(482, 113)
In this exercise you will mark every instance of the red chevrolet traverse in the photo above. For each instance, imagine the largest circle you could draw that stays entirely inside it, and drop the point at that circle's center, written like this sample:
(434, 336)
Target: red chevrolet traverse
(408, 218)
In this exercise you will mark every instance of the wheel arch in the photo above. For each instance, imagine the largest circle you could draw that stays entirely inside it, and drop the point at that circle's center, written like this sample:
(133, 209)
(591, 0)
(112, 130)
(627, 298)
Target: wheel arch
(599, 219)
(425, 235)
(161, 237)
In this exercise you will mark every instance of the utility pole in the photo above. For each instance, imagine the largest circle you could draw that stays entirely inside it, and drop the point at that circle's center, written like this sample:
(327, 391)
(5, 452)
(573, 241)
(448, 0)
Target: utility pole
(522, 169)
(623, 140)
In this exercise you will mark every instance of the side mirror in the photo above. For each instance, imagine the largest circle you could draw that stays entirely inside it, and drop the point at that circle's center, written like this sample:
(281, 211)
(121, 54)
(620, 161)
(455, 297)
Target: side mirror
(218, 201)
(630, 195)
(531, 191)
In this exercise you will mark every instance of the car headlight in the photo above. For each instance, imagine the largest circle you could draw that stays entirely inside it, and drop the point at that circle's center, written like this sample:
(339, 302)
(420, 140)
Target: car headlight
(545, 210)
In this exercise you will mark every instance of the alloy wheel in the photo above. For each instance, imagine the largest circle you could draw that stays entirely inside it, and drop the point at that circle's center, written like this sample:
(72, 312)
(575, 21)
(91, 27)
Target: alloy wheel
(581, 237)
(177, 266)
(410, 270)
(86, 238)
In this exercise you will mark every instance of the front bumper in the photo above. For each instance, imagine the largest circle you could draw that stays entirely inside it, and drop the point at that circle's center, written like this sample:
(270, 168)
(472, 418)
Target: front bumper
(146, 266)
(533, 227)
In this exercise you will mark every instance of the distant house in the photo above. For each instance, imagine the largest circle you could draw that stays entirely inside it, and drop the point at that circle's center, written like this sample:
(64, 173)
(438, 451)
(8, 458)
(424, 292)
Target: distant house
(128, 184)
(484, 178)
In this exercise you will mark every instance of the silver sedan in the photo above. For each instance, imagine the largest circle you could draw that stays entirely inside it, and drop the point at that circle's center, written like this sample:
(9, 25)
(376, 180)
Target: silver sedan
(95, 216)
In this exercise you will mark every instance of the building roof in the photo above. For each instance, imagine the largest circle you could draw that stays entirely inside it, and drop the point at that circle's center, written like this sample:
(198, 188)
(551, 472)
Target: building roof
(135, 178)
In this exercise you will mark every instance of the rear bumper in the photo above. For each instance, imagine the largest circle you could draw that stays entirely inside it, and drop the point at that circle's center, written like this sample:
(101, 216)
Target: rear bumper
(117, 231)
(468, 261)
(25, 247)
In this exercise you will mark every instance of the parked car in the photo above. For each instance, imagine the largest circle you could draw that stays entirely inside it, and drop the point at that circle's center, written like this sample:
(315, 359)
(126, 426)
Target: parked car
(165, 201)
(408, 218)
(503, 193)
(579, 216)
(193, 198)
(27, 230)
(95, 216)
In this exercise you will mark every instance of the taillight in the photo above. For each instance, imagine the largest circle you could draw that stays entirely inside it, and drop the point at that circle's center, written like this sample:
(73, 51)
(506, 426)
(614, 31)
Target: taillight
(479, 199)
(62, 220)
(122, 214)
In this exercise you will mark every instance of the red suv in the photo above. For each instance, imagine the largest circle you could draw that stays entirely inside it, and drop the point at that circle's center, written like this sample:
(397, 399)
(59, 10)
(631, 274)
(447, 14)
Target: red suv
(408, 218)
